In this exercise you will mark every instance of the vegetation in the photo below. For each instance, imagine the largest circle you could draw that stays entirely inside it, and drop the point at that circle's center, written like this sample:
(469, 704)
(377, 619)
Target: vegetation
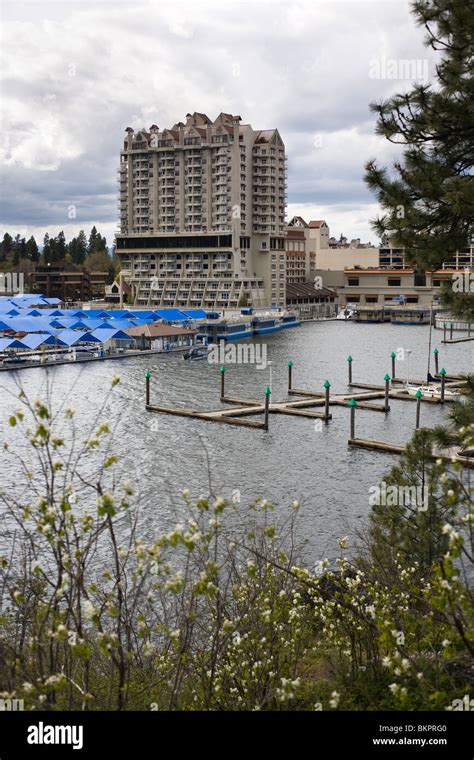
(215, 616)
(24, 255)
(428, 198)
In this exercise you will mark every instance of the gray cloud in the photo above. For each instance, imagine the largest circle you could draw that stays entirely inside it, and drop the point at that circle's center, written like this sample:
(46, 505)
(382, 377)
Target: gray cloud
(74, 76)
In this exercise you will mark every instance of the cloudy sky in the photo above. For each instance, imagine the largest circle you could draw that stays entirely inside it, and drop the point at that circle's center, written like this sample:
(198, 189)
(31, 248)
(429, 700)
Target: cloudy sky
(75, 75)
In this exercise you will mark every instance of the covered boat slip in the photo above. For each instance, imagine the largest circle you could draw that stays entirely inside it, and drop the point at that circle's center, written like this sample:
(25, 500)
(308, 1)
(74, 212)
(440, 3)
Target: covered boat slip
(396, 314)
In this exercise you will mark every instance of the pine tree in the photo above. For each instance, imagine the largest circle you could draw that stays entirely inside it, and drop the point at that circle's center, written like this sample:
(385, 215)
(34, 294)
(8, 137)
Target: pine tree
(6, 246)
(428, 197)
(46, 249)
(32, 251)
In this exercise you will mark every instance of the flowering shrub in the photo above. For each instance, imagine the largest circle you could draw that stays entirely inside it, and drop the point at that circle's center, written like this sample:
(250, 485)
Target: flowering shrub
(210, 616)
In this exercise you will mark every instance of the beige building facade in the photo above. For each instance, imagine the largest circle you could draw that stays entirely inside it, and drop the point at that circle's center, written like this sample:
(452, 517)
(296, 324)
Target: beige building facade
(202, 214)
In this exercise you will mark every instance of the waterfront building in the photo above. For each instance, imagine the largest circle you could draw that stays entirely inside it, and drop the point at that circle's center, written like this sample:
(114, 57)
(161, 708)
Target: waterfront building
(69, 286)
(202, 214)
(161, 337)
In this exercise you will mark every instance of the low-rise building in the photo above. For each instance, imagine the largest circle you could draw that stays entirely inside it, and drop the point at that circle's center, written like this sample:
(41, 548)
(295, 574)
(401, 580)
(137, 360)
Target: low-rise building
(161, 337)
(79, 285)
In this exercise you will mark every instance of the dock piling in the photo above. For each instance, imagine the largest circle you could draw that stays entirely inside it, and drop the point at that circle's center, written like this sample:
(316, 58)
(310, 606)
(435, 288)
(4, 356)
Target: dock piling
(451, 331)
(444, 332)
(222, 371)
(352, 404)
(387, 392)
(418, 395)
(443, 381)
(290, 365)
(267, 405)
(147, 388)
(327, 386)
(349, 361)
(393, 356)
(436, 356)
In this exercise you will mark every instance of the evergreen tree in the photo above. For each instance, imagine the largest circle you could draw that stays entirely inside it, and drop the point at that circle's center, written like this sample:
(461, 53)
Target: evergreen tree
(32, 251)
(77, 249)
(46, 249)
(60, 246)
(428, 197)
(6, 246)
(16, 252)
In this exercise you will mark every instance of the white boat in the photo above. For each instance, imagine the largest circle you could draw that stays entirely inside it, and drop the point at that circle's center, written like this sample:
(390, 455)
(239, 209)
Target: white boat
(431, 391)
(346, 313)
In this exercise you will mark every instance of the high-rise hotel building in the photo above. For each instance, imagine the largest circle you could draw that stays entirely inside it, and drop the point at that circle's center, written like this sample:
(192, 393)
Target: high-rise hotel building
(202, 214)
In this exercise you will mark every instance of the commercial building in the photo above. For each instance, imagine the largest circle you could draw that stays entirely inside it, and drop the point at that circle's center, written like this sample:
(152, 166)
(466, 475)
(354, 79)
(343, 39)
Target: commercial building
(202, 214)
(75, 286)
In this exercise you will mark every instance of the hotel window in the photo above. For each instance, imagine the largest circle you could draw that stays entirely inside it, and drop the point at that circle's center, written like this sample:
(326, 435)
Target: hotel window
(353, 281)
(353, 299)
(412, 299)
(394, 282)
(371, 299)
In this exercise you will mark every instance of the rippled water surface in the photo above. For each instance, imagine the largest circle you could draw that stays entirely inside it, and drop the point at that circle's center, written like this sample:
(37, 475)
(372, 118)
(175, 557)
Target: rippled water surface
(296, 459)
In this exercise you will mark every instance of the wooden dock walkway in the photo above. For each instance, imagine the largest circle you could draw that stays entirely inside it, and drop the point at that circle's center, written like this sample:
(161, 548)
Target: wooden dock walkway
(392, 448)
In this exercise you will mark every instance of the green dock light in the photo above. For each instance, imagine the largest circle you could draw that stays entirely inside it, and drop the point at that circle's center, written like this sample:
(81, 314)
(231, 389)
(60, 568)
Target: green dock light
(267, 407)
(352, 405)
(222, 371)
(349, 360)
(436, 351)
(443, 381)
(419, 396)
(290, 372)
(147, 387)
(326, 386)
(387, 391)
(393, 357)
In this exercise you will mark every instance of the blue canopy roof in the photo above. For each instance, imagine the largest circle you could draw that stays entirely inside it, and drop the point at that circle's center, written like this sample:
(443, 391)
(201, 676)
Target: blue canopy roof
(33, 340)
(104, 335)
(5, 343)
(196, 313)
(172, 315)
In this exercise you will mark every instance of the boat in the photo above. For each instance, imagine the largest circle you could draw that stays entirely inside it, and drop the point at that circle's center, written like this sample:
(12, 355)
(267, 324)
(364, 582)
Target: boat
(431, 391)
(262, 325)
(346, 313)
(196, 353)
(371, 314)
(224, 329)
(289, 320)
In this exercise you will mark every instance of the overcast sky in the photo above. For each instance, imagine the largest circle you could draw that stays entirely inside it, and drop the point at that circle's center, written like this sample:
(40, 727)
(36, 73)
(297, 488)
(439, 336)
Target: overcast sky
(75, 75)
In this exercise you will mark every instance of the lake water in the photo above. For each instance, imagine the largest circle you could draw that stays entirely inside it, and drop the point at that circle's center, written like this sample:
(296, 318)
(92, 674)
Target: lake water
(296, 459)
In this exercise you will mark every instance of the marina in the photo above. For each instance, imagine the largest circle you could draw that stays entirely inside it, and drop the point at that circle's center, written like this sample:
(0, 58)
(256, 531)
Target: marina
(300, 456)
